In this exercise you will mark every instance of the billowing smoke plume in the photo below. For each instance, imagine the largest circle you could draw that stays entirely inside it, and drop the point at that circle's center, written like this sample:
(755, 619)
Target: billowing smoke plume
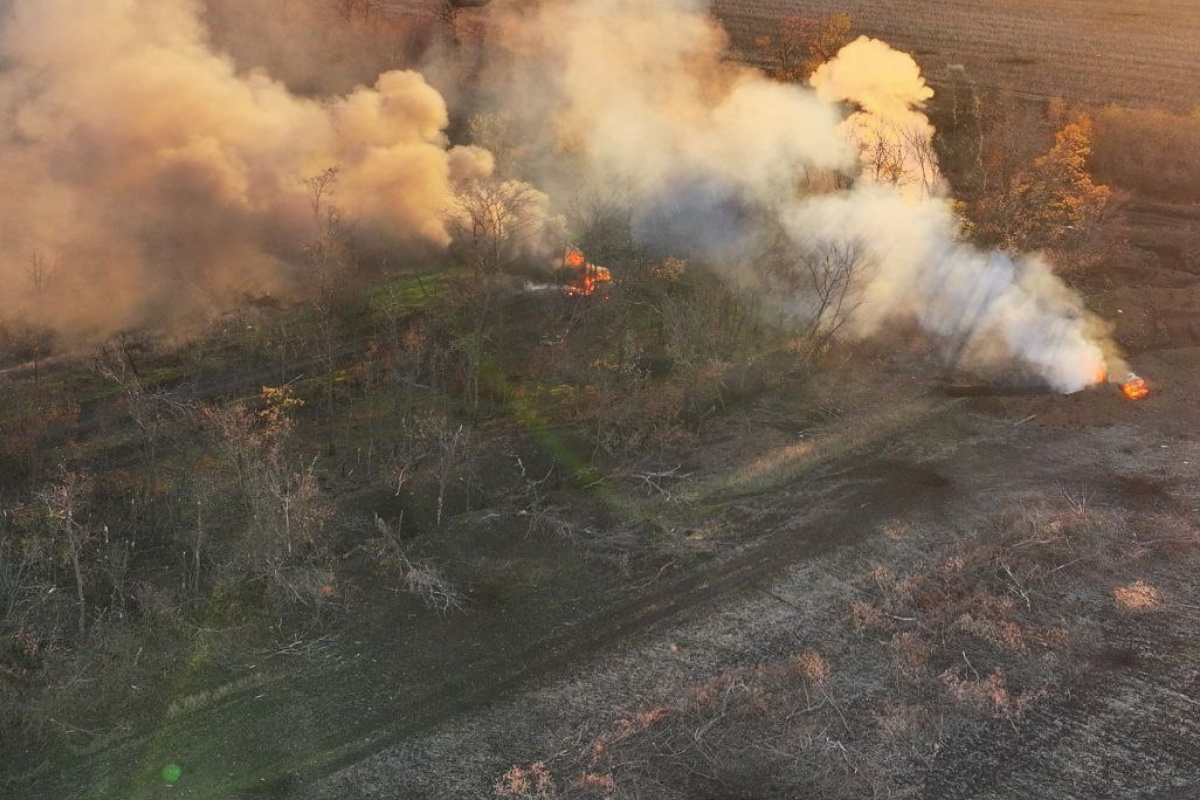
(894, 136)
(720, 163)
(149, 172)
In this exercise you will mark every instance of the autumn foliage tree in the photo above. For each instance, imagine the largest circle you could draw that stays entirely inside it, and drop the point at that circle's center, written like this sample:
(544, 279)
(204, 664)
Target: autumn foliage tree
(1053, 202)
(494, 224)
(800, 44)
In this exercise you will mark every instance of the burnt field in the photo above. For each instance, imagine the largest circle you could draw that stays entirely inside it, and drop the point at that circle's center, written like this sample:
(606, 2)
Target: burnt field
(1140, 53)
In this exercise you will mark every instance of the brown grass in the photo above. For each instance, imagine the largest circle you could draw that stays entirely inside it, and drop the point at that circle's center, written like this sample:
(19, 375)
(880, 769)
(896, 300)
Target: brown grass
(1137, 596)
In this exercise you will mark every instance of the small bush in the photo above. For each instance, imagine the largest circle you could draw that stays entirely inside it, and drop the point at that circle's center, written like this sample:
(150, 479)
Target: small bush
(420, 578)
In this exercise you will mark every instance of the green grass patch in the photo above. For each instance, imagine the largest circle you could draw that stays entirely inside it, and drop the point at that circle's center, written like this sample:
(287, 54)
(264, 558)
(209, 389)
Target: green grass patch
(400, 294)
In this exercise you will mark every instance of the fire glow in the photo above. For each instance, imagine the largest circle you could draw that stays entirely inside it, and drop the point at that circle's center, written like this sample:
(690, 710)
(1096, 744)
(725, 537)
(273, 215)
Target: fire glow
(586, 277)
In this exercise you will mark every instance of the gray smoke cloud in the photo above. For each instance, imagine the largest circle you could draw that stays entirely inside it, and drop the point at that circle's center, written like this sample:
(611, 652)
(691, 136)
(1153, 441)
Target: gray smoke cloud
(721, 163)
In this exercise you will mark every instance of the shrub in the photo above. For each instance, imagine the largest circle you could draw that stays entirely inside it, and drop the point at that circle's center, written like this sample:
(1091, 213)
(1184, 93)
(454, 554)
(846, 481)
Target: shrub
(420, 578)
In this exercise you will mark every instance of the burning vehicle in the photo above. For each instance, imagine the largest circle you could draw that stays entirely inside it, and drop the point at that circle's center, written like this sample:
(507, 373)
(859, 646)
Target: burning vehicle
(1133, 386)
(582, 278)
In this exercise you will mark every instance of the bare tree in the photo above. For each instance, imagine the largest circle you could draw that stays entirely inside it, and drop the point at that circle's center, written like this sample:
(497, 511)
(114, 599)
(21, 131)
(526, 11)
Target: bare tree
(817, 284)
(36, 339)
(446, 11)
(832, 274)
(319, 186)
(289, 514)
(41, 273)
(800, 44)
(499, 134)
(922, 159)
(150, 409)
(495, 223)
(884, 159)
(602, 225)
(358, 10)
(450, 445)
(328, 255)
(831, 35)
(65, 503)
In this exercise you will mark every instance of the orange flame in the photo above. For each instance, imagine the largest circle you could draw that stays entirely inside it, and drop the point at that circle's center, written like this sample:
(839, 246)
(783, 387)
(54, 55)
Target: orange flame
(1135, 388)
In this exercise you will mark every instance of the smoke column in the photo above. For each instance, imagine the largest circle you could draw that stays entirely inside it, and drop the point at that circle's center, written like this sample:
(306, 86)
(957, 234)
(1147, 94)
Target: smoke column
(156, 177)
(718, 161)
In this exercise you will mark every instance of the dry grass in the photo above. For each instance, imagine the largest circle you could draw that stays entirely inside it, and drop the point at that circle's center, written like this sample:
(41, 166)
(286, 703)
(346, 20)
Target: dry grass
(788, 463)
(989, 693)
(968, 635)
(191, 702)
(1137, 596)
(533, 781)
(990, 590)
(710, 733)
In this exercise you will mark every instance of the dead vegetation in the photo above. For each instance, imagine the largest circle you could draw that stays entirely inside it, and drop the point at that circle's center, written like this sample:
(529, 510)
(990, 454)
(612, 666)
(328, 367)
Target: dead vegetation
(215, 491)
(1150, 151)
(419, 578)
(969, 635)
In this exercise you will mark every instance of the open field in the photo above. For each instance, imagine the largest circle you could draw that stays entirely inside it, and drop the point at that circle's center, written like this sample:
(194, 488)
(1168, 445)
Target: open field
(1139, 53)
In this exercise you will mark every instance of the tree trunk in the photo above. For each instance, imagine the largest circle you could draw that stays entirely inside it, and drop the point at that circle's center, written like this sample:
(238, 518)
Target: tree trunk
(75, 564)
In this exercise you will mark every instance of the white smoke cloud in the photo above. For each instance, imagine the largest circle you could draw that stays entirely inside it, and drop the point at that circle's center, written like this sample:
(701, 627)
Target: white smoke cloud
(717, 160)
(894, 136)
(994, 308)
